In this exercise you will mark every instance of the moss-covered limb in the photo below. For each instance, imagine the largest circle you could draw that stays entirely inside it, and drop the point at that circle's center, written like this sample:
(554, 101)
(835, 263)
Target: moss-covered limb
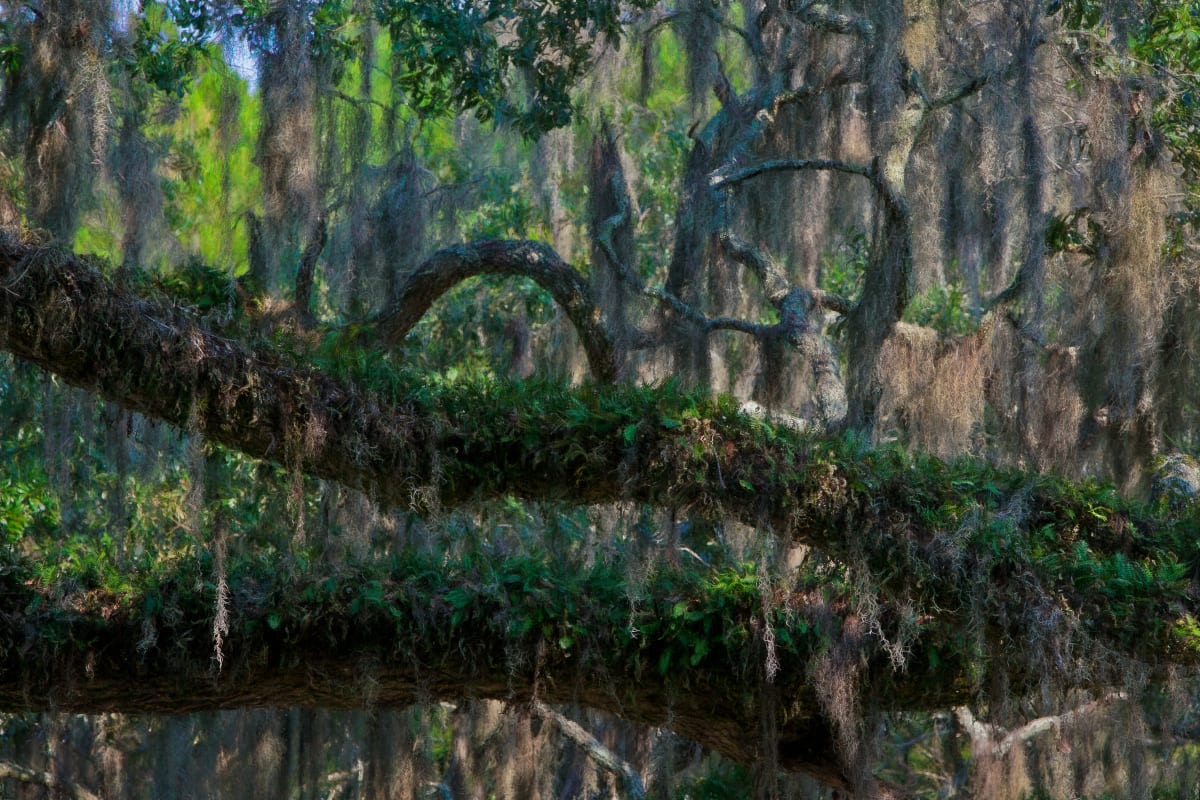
(523, 259)
(679, 648)
(963, 543)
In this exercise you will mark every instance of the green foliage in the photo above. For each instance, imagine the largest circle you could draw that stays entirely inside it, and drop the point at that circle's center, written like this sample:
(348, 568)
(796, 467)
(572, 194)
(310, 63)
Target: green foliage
(12, 55)
(843, 268)
(1074, 232)
(211, 180)
(449, 58)
(452, 58)
(1169, 40)
(26, 509)
(718, 780)
(201, 287)
(946, 309)
(160, 55)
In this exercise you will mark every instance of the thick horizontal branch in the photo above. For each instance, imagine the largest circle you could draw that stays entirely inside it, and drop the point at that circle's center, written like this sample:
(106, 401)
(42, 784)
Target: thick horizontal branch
(459, 443)
(678, 648)
(523, 259)
(942, 549)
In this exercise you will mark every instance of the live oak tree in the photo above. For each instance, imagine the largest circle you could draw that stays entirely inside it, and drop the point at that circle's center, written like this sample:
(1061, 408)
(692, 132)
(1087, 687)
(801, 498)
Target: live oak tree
(1019, 290)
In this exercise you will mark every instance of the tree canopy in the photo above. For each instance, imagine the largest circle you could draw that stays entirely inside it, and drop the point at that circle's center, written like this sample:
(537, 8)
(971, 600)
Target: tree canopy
(812, 381)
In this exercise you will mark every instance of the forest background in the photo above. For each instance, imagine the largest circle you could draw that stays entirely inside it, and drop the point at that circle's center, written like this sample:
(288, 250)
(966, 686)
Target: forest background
(579, 399)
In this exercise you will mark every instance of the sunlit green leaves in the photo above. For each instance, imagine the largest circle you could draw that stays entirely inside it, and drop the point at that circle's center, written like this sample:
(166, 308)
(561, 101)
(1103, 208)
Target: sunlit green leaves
(507, 61)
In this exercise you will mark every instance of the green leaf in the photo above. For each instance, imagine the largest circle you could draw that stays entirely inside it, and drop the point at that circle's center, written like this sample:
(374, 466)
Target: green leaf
(458, 598)
(274, 620)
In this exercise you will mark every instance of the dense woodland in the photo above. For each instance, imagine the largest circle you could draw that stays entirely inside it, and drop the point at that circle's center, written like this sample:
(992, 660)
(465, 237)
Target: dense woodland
(585, 399)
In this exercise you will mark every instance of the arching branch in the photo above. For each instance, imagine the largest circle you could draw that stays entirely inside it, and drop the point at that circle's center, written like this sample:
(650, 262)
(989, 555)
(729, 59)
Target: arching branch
(988, 741)
(725, 177)
(525, 259)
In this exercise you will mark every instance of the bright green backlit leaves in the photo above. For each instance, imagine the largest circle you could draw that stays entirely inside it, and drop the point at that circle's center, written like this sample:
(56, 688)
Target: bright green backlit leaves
(507, 61)
(467, 55)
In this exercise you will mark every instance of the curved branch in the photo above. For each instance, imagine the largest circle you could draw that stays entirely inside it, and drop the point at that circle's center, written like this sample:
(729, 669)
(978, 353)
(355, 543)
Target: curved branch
(670, 17)
(773, 281)
(526, 259)
(990, 741)
(723, 178)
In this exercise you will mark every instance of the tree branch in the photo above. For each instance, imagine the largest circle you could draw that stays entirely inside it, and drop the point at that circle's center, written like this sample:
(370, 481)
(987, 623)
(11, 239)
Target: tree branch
(668, 300)
(51, 781)
(431, 628)
(306, 271)
(962, 92)
(989, 741)
(631, 782)
(826, 19)
(923, 534)
(794, 305)
(725, 177)
(773, 281)
(535, 260)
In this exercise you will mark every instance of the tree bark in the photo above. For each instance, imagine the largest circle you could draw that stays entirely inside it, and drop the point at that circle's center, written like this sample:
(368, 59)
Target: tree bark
(934, 550)
(452, 265)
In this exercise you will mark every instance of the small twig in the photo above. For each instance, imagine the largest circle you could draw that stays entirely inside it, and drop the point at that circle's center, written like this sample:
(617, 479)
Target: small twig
(450, 187)
(360, 101)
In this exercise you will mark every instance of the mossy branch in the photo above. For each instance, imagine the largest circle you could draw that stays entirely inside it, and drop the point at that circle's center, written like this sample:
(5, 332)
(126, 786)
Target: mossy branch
(955, 568)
